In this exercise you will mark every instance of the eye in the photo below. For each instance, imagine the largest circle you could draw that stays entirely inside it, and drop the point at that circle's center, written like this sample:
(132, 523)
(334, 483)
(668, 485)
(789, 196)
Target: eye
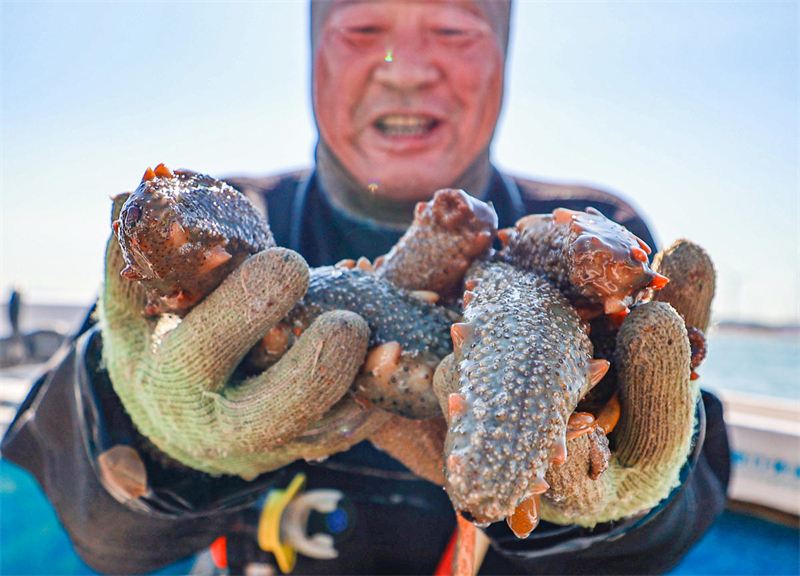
(362, 36)
(454, 26)
(459, 37)
(449, 31)
(366, 30)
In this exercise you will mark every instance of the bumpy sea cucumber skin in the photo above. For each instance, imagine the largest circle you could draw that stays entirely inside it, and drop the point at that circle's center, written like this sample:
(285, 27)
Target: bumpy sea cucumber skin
(577, 486)
(181, 235)
(598, 264)
(447, 235)
(420, 328)
(523, 366)
(393, 315)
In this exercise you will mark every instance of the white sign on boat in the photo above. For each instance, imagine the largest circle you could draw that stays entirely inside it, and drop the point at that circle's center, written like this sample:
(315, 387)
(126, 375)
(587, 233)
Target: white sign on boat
(764, 434)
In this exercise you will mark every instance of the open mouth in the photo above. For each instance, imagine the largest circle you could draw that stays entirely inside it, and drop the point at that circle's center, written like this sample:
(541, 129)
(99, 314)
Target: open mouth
(394, 125)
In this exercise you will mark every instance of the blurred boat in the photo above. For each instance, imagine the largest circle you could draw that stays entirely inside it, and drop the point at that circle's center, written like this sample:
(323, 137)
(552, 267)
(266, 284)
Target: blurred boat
(764, 434)
(31, 334)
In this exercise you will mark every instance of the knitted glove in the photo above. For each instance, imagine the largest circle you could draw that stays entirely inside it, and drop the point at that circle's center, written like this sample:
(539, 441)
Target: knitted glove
(174, 376)
(692, 281)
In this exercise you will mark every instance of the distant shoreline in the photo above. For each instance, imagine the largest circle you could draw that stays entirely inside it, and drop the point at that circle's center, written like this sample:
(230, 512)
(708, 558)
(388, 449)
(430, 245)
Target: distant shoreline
(726, 327)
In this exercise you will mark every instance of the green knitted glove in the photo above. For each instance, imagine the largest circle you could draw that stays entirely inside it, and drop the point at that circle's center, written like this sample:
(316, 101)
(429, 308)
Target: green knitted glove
(653, 437)
(692, 281)
(174, 377)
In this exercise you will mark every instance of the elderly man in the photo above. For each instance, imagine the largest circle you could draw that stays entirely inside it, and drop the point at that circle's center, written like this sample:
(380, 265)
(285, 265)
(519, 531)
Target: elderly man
(406, 97)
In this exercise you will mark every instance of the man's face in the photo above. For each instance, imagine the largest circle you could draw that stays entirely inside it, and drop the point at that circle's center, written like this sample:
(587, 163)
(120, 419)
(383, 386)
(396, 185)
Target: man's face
(407, 92)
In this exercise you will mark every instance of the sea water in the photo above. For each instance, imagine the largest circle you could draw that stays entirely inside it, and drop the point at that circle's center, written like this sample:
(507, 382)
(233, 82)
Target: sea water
(754, 361)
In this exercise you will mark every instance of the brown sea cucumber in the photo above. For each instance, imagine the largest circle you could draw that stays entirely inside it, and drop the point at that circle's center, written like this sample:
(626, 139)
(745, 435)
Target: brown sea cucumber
(182, 233)
(447, 235)
(599, 265)
(522, 357)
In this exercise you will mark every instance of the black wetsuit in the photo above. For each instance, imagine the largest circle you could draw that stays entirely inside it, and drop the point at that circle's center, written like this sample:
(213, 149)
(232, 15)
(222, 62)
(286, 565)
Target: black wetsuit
(391, 522)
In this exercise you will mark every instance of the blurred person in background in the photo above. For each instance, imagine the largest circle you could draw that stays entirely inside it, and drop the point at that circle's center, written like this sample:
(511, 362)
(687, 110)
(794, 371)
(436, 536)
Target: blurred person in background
(406, 95)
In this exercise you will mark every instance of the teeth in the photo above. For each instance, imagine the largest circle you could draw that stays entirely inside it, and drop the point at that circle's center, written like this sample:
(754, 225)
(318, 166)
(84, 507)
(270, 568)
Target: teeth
(404, 124)
(405, 120)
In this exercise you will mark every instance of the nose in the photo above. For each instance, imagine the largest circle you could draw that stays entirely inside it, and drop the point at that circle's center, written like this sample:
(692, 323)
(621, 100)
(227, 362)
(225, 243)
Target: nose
(407, 68)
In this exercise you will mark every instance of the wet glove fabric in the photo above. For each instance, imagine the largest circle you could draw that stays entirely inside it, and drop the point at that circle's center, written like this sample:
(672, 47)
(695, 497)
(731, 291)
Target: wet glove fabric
(174, 377)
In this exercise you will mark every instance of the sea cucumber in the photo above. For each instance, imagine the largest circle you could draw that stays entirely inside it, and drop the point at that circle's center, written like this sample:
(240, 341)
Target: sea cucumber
(447, 235)
(599, 265)
(182, 233)
(523, 361)
(408, 336)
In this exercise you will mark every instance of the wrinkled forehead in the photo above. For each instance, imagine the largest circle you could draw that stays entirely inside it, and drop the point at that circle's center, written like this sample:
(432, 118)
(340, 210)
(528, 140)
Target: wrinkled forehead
(496, 12)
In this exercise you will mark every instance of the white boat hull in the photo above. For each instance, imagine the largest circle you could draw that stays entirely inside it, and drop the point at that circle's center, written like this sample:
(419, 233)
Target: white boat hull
(764, 435)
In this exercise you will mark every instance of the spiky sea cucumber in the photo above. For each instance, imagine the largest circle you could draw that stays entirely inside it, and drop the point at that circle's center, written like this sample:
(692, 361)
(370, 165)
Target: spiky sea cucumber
(408, 337)
(523, 361)
(447, 235)
(182, 233)
(598, 264)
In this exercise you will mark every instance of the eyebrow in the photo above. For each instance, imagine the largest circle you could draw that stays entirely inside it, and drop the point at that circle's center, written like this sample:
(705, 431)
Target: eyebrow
(344, 3)
(470, 6)
(467, 5)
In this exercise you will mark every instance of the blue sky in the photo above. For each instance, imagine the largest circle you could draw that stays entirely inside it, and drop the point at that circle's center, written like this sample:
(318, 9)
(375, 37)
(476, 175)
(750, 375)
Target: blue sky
(688, 109)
